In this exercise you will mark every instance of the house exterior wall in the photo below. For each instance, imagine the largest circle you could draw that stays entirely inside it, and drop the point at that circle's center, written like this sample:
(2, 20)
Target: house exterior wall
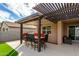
(13, 33)
(10, 34)
(62, 28)
(59, 32)
(28, 30)
(66, 24)
(33, 25)
(4, 26)
(59, 29)
(52, 37)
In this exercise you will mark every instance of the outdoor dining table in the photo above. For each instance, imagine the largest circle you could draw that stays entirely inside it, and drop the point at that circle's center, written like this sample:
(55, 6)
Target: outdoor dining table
(42, 41)
(33, 40)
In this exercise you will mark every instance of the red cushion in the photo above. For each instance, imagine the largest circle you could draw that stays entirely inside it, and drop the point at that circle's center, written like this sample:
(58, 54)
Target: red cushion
(24, 34)
(42, 35)
(36, 35)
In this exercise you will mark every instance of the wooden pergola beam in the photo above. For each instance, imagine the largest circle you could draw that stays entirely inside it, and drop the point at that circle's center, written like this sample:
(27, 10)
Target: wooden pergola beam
(58, 9)
(65, 9)
(39, 33)
(21, 32)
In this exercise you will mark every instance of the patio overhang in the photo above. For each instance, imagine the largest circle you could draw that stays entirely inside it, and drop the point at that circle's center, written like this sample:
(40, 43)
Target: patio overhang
(58, 11)
(39, 29)
(32, 17)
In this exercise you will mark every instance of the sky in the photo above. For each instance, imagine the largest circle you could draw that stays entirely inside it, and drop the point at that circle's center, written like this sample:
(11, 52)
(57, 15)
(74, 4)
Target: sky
(15, 11)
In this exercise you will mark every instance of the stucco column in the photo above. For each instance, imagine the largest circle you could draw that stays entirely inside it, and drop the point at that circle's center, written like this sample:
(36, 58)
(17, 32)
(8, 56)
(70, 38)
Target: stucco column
(59, 32)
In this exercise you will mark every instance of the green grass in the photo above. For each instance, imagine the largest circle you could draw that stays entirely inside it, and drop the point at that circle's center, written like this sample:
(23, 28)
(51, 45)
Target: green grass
(6, 50)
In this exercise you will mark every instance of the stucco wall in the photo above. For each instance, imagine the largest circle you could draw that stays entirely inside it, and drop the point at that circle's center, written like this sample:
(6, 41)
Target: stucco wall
(67, 23)
(66, 27)
(31, 23)
(53, 36)
(4, 26)
(59, 32)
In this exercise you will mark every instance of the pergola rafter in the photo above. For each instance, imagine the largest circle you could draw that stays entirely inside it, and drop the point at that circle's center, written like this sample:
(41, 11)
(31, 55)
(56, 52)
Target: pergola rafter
(57, 11)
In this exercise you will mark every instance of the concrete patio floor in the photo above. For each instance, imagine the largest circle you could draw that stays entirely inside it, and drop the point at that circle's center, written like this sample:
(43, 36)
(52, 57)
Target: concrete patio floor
(51, 50)
(14, 44)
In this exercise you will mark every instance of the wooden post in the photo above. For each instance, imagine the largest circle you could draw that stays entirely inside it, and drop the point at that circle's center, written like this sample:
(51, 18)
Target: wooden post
(21, 32)
(39, 34)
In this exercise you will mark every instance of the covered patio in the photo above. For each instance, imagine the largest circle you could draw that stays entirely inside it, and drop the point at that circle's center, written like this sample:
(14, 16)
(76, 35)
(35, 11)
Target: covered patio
(56, 13)
(51, 50)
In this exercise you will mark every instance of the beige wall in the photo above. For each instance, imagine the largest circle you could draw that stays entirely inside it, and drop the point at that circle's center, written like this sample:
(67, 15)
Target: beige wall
(30, 28)
(4, 26)
(53, 36)
(32, 24)
(67, 23)
(59, 29)
(59, 32)
(13, 33)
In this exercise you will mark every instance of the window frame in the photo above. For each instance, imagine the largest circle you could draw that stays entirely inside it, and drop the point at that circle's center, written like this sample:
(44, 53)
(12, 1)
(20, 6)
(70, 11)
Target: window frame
(46, 30)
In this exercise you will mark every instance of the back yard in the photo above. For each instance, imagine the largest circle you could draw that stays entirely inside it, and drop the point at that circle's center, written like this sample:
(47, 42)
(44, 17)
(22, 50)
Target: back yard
(6, 50)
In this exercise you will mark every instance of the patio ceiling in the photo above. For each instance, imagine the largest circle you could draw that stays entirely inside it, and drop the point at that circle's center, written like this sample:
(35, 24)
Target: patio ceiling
(58, 11)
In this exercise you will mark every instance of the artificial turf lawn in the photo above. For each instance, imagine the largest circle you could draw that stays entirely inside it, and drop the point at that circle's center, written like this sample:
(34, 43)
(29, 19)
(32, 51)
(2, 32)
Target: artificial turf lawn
(6, 50)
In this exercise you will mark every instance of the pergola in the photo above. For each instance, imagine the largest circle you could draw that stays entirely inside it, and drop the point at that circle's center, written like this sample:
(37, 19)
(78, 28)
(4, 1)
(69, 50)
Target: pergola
(58, 11)
(53, 12)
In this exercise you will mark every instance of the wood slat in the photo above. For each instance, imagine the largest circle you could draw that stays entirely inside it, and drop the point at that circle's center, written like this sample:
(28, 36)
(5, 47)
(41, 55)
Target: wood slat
(77, 8)
(50, 8)
(46, 4)
(56, 8)
(60, 10)
(49, 5)
(38, 9)
(44, 7)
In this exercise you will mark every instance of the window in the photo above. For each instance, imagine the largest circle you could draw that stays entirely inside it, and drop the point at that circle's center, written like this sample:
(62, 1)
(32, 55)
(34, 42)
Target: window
(6, 29)
(46, 29)
(3, 29)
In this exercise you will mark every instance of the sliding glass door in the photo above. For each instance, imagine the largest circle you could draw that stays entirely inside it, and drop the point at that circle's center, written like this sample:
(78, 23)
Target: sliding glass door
(74, 32)
(77, 32)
